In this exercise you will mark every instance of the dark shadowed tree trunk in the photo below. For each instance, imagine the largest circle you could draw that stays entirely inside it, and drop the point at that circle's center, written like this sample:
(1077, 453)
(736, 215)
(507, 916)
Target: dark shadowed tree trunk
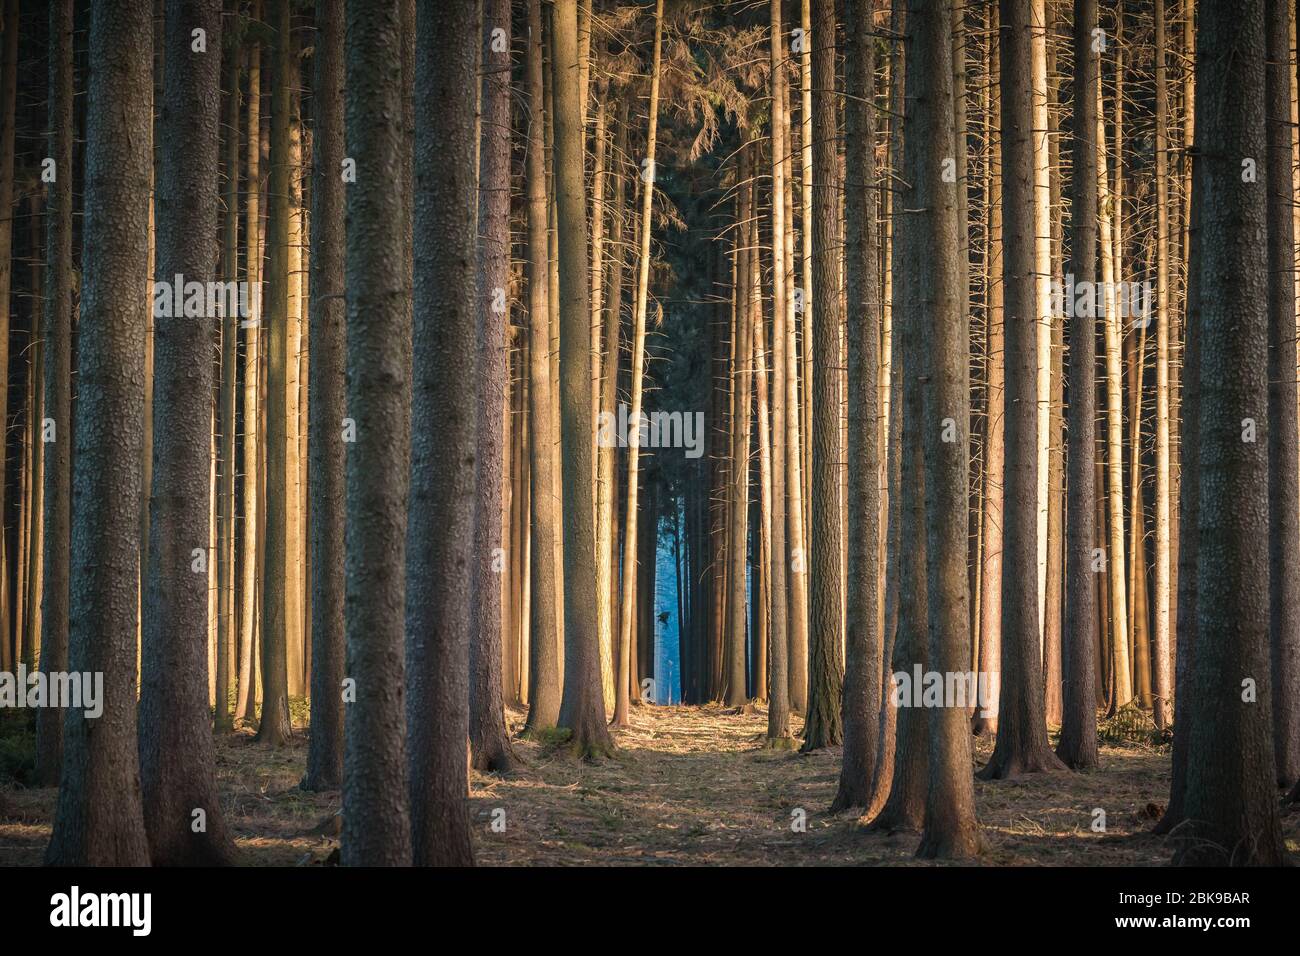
(1283, 457)
(862, 684)
(8, 103)
(182, 812)
(438, 614)
(1230, 802)
(376, 827)
(950, 830)
(58, 388)
(1078, 744)
(326, 409)
(98, 820)
(1022, 733)
(489, 742)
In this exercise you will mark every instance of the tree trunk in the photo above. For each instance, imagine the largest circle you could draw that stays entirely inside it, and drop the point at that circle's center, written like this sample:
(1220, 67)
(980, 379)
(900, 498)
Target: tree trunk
(489, 741)
(1022, 732)
(250, 580)
(177, 758)
(1231, 805)
(223, 716)
(1283, 457)
(57, 351)
(622, 678)
(1163, 687)
(990, 632)
(274, 728)
(862, 685)
(950, 829)
(98, 820)
(825, 658)
(1078, 744)
(544, 649)
(8, 102)
(327, 408)
(380, 465)
(582, 707)
(744, 270)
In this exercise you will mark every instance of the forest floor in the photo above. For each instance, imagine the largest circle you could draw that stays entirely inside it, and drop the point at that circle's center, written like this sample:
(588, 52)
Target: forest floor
(688, 786)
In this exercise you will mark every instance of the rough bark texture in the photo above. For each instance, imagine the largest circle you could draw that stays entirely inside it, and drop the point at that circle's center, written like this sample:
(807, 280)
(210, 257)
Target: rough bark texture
(862, 685)
(248, 548)
(1078, 744)
(1283, 458)
(950, 830)
(327, 387)
(58, 389)
(1231, 804)
(779, 677)
(543, 642)
(1022, 733)
(8, 103)
(177, 757)
(274, 728)
(376, 828)
(444, 452)
(989, 652)
(623, 677)
(582, 706)
(98, 820)
(825, 654)
(489, 742)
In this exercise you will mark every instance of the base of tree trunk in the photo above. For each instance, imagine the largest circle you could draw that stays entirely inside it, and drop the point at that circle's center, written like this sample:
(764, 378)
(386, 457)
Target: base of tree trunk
(780, 743)
(589, 744)
(276, 731)
(495, 758)
(1013, 766)
(962, 845)
(851, 798)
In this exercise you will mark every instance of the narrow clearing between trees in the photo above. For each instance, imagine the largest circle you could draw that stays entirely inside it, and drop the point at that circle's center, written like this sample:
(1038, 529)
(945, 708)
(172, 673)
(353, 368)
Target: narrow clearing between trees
(690, 786)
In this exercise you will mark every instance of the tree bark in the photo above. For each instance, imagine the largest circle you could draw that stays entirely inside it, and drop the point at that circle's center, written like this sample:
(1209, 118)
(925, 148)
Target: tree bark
(1022, 732)
(822, 727)
(98, 820)
(623, 676)
(1231, 804)
(1283, 457)
(1077, 748)
(327, 407)
(862, 685)
(377, 830)
(582, 705)
(489, 741)
(57, 351)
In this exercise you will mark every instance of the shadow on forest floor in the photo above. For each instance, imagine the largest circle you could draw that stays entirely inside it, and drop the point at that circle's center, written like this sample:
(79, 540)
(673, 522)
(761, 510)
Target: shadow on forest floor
(689, 786)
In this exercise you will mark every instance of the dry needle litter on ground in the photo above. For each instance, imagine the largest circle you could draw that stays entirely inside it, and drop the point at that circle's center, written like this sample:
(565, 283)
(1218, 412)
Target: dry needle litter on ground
(690, 786)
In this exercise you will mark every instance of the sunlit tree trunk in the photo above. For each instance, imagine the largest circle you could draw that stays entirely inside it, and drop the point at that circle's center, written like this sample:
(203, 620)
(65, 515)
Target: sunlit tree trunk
(623, 676)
